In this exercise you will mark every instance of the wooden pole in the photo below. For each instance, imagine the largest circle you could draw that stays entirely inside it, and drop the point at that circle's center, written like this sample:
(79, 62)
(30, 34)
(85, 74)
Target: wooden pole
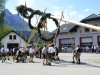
(31, 36)
(97, 28)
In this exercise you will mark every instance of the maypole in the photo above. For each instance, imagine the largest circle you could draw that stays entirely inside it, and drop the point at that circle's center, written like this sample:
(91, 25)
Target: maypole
(43, 20)
(97, 28)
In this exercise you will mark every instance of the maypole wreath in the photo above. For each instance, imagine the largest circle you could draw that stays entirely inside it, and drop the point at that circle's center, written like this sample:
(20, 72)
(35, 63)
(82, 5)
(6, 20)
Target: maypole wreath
(40, 25)
(36, 12)
(23, 11)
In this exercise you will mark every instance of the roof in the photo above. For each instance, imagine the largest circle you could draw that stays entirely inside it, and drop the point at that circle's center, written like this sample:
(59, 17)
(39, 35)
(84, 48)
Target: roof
(5, 34)
(17, 32)
(91, 17)
(24, 34)
(74, 29)
(65, 27)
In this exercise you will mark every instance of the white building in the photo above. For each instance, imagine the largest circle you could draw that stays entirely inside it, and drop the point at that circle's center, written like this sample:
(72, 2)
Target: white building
(13, 39)
(72, 34)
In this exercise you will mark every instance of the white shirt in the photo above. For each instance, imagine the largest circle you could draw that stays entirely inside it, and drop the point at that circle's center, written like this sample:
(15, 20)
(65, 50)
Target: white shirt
(44, 50)
(21, 49)
(51, 50)
(7, 49)
(13, 49)
(76, 48)
(27, 49)
(31, 50)
(2, 49)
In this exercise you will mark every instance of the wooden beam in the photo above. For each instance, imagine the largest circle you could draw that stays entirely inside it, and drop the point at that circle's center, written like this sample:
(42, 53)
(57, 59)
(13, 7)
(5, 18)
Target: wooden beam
(97, 28)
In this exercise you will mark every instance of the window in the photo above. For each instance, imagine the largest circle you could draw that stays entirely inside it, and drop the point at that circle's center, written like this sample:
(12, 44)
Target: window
(86, 41)
(10, 37)
(87, 29)
(14, 37)
(68, 42)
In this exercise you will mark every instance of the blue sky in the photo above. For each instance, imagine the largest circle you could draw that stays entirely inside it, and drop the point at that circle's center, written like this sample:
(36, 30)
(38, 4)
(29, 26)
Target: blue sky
(73, 9)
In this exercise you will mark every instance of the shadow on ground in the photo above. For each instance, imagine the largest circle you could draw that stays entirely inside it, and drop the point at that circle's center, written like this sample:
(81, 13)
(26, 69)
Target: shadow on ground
(63, 63)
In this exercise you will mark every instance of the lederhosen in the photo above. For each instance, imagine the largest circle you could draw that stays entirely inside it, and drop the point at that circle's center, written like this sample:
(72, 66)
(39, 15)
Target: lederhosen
(19, 55)
(3, 54)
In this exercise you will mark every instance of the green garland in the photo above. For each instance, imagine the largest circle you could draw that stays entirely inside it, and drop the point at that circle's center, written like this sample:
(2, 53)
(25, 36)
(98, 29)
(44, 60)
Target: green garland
(43, 18)
(36, 12)
(23, 11)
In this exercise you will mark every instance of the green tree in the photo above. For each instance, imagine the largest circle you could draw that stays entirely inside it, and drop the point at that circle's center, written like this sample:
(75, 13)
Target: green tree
(2, 8)
(0, 44)
(2, 4)
(6, 29)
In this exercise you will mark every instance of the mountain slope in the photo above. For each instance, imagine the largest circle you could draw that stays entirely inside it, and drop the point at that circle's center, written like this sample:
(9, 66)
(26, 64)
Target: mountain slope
(15, 21)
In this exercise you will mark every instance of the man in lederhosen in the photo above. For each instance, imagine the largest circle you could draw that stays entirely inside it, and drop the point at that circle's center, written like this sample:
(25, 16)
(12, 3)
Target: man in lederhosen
(7, 53)
(31, 53)
(78, 53)
(50, 54)
(44, 54)
(3, 54)
(56, 53)
(19, 55)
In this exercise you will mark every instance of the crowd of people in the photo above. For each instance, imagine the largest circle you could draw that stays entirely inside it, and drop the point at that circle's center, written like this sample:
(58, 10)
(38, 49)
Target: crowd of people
(20, 54)
(93, 49)
(85, 49)
(48, 53)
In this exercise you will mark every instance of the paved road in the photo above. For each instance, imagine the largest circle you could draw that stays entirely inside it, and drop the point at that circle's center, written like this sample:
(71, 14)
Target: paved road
(90, 66)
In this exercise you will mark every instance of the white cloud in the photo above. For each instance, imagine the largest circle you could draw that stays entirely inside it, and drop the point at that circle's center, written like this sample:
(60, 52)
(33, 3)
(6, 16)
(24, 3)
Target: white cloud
(86, 10)
(73, 13)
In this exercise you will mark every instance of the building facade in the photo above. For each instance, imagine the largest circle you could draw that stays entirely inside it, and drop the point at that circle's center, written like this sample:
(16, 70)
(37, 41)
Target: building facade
(13, 39)
(75, 35)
